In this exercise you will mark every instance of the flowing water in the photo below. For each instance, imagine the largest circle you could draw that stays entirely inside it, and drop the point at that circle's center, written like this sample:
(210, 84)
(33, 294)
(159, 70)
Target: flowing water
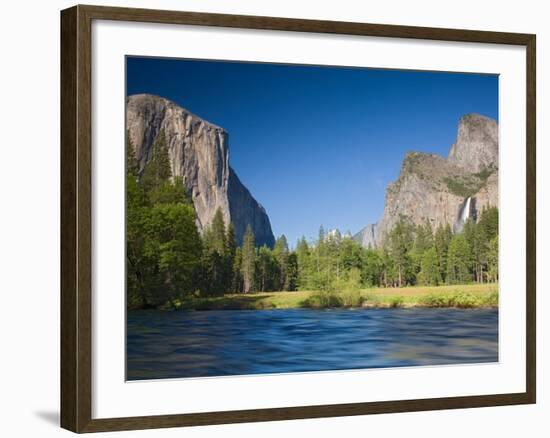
(236, 342)
(463, 215)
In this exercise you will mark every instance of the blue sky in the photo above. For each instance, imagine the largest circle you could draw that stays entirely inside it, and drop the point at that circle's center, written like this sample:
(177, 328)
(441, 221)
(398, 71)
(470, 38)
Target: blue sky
(318, 145)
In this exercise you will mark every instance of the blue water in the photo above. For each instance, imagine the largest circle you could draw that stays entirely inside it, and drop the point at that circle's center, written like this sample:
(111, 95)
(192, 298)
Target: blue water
(235, 342)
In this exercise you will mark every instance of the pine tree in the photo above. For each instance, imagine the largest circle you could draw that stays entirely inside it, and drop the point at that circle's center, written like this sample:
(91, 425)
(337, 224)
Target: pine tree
(458, 260)
(164, 170)
(174, 243)
(267, 272)
(423, 241)
(231, 241)
(479, 253)
(487, 250)
(320, 252)
(280, 251)
(138, 264)
(216, 261)
(388, 268)
(158, 170)
(163, 248)
(217, 229)
(442, 238)
(237, 280)
(170, 192)
(372, 267)
(212, 273)
(350, 254)
(248, 264)
(424, 238)
(429, 273)
(477, 241)
(489, 222)
(230, 254)
(292, 272)
(304, 263)
(400, 244)
(492, 259)
(332, 251)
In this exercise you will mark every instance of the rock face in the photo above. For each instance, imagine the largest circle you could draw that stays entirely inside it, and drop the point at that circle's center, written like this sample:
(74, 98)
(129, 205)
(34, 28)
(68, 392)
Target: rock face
(443, 191)
(368, 236)
(488, 194)
(199, 153)
(476, 146)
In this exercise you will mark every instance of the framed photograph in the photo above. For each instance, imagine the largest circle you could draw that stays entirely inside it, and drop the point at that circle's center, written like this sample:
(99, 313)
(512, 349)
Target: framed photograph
(270, 218)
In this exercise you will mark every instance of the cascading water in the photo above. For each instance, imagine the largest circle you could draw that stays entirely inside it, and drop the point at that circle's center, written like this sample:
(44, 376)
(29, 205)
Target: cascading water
(464, 214)
(466, 210)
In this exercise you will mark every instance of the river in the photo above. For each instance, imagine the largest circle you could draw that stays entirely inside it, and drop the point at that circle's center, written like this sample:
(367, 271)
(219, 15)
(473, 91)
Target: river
(237, 342)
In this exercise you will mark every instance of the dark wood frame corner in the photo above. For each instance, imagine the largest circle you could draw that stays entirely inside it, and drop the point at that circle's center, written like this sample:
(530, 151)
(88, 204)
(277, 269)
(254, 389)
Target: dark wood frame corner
(76, 173)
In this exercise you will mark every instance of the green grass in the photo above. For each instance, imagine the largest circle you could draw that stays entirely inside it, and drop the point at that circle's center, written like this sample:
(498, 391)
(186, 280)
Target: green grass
(463, 300)
(459, 296)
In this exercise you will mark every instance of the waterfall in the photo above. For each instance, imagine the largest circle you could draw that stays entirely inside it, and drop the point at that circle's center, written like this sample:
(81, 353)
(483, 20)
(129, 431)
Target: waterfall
(464, 214)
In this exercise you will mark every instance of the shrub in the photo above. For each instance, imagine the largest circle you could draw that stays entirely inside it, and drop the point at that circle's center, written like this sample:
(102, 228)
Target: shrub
(462, 300)
(350, 289)
(372, 299)
(491, 300)
(397, 302)
(322, 300)
(434, 300)
(352, 299)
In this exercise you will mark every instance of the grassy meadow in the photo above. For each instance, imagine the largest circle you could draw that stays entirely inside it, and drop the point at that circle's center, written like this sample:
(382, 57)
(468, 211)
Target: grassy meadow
(457, 296)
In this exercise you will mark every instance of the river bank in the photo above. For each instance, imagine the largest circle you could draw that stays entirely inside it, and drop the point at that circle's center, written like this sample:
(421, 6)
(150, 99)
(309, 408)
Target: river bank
(455, 296)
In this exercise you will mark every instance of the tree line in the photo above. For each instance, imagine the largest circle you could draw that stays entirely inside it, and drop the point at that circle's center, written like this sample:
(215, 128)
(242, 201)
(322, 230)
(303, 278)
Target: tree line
(410, 255)
(168, 259)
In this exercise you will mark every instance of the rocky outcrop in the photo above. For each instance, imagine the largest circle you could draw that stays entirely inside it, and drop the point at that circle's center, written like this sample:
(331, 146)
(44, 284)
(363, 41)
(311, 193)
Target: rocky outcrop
(444, 191)
(488, 194)
(368, 236)
(476, 146)
(199, 153)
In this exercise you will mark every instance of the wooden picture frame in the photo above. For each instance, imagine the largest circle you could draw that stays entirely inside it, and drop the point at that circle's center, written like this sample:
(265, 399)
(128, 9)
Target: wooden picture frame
(76, 218)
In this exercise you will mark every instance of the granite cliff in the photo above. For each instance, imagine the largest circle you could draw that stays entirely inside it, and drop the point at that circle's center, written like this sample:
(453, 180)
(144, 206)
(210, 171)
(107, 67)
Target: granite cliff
(443, 190)
(199, 153)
